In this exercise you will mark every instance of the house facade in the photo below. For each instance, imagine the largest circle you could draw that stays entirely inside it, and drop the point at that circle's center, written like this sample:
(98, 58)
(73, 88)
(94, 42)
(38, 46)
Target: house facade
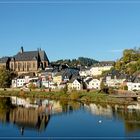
(75, 84)
(98, 68)
(134, 84)
(115, 79)
(93, 84)
(22, 81)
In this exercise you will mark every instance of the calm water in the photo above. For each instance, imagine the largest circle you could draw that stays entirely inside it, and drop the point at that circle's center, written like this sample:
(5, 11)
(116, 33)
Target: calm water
(24, 117)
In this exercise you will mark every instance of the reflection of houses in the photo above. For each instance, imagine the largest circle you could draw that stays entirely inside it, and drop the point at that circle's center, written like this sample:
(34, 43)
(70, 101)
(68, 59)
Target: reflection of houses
(23, 102)
(100, 110)
(136, 106)
(29, 118)
(56, 107)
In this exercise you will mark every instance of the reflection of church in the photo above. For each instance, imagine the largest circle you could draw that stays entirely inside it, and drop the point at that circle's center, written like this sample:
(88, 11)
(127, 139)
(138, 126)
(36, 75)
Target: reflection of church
(26, 118)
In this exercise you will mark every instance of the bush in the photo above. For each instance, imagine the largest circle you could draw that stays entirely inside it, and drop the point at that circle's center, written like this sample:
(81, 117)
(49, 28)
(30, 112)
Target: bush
(31, 86)
(111, 91)
(125, 87)
(65, 89)
(74, 96)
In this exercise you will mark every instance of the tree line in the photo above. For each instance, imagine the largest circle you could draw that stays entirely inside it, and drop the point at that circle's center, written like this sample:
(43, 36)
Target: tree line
(82, 61)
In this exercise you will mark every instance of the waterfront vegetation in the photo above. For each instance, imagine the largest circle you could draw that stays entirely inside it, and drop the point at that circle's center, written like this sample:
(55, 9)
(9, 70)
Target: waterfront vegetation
(82, 96)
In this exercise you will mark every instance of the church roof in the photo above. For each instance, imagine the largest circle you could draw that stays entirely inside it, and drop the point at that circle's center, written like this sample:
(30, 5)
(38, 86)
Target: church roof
(26, 56)
(43, 56)
(31, 55)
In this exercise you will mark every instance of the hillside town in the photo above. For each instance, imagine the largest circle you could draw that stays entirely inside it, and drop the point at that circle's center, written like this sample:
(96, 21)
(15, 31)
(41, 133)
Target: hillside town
(33, 69)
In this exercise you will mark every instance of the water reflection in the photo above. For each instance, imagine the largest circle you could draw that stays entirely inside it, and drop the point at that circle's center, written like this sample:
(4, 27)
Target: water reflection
(35, 114)
(129, 114)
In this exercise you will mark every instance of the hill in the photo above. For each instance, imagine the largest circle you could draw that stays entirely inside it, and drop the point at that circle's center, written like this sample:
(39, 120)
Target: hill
(81, 61)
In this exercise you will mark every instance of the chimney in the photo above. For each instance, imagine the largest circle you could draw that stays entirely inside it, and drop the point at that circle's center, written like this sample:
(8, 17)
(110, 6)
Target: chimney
(21, 50)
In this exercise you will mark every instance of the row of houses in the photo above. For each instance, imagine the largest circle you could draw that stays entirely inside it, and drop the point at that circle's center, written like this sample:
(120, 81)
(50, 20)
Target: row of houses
(34, 67)
(58, 78)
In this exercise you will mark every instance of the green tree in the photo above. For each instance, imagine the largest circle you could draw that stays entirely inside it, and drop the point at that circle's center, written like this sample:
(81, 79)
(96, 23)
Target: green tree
(32, 86)
(5, 78)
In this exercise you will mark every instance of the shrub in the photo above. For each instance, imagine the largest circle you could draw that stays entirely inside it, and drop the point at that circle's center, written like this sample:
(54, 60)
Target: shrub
(126, 87)
(111, 91)
(74, 96)
(31, 86)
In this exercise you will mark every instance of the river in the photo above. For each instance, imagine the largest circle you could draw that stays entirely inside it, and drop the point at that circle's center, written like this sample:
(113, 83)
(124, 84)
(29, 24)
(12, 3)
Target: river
(43, 118)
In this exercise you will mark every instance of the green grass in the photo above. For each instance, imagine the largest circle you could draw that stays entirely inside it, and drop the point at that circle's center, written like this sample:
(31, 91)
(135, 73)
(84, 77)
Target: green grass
(82, 96)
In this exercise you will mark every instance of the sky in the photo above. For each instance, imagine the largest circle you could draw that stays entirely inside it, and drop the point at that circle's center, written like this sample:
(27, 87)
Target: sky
(67, 29)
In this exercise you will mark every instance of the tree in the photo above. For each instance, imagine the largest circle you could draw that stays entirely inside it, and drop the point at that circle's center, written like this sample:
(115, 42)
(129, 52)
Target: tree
(5, 78)
(32, 86)
(130, 62)
(65, 89)
(103, 87)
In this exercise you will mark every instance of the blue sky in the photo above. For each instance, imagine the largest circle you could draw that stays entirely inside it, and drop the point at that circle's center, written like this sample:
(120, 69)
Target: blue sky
(69, 29)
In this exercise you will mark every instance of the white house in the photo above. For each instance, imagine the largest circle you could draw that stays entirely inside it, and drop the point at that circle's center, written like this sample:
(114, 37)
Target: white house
(115, 78)
(75, 84)
(97, 69)
(84, 72)
(115, 82)
(49, 84)
(134, 84)
(19, 82)
(93, 83)
(22, 81)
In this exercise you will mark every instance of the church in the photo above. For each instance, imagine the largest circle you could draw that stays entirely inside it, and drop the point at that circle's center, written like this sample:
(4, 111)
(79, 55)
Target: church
(26, 61)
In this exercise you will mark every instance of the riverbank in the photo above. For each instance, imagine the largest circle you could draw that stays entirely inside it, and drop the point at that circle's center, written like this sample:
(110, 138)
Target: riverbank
(82, 96)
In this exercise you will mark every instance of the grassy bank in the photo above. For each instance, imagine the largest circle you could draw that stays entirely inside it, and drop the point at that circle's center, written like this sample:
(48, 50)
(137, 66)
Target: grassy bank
(82, 96)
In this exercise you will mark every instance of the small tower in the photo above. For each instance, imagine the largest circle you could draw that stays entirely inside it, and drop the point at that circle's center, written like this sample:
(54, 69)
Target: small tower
(21, 50)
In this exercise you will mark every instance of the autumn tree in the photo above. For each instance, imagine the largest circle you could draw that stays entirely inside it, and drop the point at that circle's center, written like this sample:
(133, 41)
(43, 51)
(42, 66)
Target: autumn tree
(5, 78)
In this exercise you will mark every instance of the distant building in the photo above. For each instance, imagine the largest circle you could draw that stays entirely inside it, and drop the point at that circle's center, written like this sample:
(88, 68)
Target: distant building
(75, 84)
(134, 84)
(115, 79)
(93, 83)
(22, 81)
(26, 61)
(98, 68)
(84, 72)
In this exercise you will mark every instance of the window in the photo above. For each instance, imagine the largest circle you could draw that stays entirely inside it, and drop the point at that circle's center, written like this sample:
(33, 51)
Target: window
(15, 65)
(33, 64)
(25, 65)
(12, 66)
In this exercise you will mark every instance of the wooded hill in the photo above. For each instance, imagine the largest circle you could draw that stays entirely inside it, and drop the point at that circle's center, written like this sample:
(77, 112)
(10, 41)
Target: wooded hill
(81, 61)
